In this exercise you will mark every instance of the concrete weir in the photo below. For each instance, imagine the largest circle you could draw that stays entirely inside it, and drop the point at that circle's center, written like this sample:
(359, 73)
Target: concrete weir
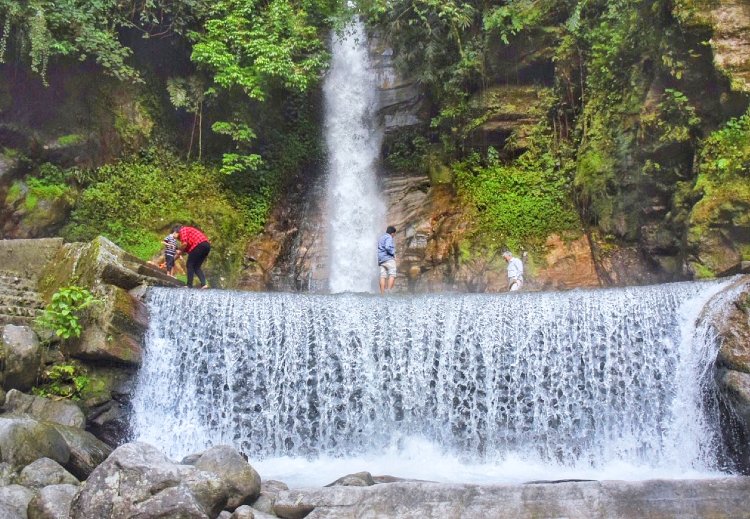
(653, 499)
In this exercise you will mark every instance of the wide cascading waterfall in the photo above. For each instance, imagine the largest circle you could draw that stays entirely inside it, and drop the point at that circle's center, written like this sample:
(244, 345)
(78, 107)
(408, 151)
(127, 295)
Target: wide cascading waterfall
(356, 212)
(569, 382)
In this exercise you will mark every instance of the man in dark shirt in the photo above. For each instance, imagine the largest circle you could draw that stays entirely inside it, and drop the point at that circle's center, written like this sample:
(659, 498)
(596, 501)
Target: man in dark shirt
(197, 247)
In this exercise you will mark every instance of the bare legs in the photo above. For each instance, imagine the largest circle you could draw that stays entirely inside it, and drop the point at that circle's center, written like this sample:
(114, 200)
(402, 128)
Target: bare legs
(387, 284)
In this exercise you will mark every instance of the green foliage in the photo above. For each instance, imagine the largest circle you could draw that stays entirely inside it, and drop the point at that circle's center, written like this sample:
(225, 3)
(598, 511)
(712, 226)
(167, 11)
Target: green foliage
(63, 314)
(725, 153)
(256, 47)
(510, 19)
(47, 29)
(517, 205)
(134, 202)
(63, 381)
(722, 186)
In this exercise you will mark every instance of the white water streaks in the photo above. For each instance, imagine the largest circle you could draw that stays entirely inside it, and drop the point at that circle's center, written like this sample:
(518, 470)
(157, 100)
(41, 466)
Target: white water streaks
(356, 212)
(565, 385)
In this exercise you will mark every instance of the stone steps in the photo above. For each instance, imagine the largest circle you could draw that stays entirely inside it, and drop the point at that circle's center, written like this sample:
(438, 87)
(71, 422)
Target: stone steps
(20, 303)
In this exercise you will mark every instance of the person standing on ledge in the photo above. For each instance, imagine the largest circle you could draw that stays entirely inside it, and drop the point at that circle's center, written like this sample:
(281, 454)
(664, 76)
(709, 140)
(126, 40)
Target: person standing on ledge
(515, 271)
(387, 259)
(197, 247)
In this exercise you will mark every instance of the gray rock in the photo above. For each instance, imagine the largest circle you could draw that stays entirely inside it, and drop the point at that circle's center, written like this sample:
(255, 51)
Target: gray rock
(725, 497)
(190, 459)
(52, 502)
(14, 500)
(7, 474)
(24, 440)
(21, 355)
(224, 515)
(44, 472)
(45, 410)
(243, 512)
(263, 515)
(209, 489)
(86, 451)
(265, 502)
(359, 479)
(139, 481)
(273, 486)
(268, 492)
(241, 478)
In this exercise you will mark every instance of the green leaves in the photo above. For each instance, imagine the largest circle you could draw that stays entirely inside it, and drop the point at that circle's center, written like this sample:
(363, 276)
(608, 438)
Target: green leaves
(257, 47)
(66, 308)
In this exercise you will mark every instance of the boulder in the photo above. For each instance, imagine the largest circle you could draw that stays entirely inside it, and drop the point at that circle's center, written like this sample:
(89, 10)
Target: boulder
(224, 515)
(243, 512)
(14, 500)
(24, 440)
(241, 478)
(114, 331)
(52, 502)
(61, 411)
(138, 480)
(86, 451)
(360, 479)
(44, 472)
(21, 356)
(267, 498)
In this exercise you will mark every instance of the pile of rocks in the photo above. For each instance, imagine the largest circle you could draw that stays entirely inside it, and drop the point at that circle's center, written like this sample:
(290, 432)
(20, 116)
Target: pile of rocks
(50, 467)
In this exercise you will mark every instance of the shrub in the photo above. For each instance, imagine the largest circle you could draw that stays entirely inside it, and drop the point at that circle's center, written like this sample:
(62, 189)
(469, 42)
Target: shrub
(64, 312)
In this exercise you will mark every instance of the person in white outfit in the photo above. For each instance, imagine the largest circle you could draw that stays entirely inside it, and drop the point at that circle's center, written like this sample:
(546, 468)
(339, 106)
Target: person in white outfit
(515, 271)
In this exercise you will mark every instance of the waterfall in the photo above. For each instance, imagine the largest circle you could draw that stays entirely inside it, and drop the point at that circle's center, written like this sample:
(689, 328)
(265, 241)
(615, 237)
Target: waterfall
(571, 383)
(356, 212)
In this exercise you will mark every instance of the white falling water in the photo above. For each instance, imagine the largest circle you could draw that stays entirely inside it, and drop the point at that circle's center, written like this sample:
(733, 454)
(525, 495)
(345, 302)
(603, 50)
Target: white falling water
(588, 384)
(356, 212)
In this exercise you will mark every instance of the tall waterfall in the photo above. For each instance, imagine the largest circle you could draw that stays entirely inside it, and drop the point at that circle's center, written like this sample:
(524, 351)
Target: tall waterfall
(570, 383)
(356, 212)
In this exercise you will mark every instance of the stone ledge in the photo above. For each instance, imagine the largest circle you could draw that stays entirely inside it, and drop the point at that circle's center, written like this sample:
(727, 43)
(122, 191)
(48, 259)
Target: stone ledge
(721, 497)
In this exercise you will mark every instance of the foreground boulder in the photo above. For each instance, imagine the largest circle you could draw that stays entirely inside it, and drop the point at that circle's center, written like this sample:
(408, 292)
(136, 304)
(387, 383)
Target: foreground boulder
(86, 451)
(23, 440)
(44, 472)
(45, 410)
(717, 498)
(14, 500)
(241, 479)
(21, 357)
(52, 502)
(139, 481)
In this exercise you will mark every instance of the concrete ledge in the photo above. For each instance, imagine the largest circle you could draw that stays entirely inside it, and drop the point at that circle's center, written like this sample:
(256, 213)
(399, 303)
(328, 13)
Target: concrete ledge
(715, 498)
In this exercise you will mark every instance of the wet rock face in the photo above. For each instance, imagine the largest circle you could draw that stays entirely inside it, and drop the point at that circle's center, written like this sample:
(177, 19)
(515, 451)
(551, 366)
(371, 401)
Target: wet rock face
(731, 322)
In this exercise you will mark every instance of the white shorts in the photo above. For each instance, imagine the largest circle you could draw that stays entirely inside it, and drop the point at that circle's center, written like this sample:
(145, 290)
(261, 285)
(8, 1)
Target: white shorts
(388, 269)
(515, 284)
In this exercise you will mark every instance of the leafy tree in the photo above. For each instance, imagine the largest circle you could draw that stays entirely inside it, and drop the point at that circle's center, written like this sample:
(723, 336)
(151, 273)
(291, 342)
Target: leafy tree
(256, 47)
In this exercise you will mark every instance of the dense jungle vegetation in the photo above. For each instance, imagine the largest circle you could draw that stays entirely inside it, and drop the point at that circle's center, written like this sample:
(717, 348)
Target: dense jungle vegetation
(635, 137)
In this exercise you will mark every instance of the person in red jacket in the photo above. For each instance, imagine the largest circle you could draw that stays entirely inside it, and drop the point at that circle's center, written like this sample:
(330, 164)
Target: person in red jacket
(197, 247)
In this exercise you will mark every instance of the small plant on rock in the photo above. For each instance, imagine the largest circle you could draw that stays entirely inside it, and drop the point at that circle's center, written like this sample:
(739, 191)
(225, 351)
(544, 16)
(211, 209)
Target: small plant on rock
(63, 314)
(62, 380)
